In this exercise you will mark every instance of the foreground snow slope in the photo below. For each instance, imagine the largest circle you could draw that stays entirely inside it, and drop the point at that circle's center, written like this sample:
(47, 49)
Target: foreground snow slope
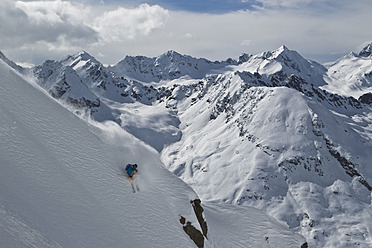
(59, 185)
(59, 182)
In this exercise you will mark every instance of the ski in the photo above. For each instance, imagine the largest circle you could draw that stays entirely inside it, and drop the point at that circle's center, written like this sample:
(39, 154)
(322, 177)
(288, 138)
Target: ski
(132, 184)
(133, 189)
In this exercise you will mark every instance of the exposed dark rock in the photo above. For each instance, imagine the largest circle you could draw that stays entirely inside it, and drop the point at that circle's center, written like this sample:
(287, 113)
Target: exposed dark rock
(244, 58)
(308, 163)
(198, 209)
(305, 245)
(83, 103)
(366, 98)
(367, 51)
(193, 233)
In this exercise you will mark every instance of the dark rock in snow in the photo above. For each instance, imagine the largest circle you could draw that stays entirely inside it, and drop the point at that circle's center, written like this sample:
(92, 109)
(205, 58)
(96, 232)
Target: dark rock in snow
(366, 51)
(366, 98)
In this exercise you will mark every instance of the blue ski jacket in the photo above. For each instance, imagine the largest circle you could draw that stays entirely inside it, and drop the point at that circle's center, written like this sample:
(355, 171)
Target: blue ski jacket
(130, 170)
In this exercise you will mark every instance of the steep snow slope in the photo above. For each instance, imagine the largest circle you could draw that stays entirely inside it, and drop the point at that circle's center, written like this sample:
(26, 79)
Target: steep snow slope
(59, 185)
(59, 182)
(351, 75)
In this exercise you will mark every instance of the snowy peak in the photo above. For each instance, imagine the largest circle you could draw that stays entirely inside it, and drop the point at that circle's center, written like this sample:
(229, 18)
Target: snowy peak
(366, 51)
(168, 66)
(81, 56)
(46, 70)
(80, 60)
(91, 71)
(351, 75)
(283, 48)
(63, 83)
(85, 56)
(172, 55)
(293, 61)
(281, 51)
(283, 62)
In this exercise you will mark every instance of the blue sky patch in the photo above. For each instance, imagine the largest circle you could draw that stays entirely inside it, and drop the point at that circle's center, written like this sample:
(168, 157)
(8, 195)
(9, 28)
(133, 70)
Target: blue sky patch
(204, 6)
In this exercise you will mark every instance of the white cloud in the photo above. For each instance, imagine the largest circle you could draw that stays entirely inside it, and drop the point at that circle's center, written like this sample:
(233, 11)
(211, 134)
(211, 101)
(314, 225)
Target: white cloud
(246, 43)
(53, 12)
(26, 23)
(53, 29)
(188, 35)
(62, 26)
(123, 23)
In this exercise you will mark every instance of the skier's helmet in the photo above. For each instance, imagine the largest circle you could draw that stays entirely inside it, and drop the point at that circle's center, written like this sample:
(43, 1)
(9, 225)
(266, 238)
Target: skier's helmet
(135, 166)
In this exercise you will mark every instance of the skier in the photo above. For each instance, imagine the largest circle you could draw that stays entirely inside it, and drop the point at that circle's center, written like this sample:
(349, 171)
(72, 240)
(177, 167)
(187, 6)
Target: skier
(131, 170)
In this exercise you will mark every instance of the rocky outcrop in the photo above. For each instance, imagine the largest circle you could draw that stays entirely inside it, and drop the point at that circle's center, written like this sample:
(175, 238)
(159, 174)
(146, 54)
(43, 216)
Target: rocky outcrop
(366, 98)
(304, 245)
(194, 233)
(198, 209)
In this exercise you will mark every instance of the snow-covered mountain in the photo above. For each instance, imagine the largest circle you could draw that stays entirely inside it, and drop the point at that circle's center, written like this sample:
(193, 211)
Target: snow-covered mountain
(168, 66)
(265, 131)
(63, 83)
(351, 75)
(61, 186)
(281, 151)
(282, 63)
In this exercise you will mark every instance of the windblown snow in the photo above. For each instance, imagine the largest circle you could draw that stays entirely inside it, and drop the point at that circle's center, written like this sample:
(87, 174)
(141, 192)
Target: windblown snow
(59, 184)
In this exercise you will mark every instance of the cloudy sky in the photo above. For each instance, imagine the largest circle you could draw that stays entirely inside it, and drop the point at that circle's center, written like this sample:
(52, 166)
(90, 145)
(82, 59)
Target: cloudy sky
(322, 30)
